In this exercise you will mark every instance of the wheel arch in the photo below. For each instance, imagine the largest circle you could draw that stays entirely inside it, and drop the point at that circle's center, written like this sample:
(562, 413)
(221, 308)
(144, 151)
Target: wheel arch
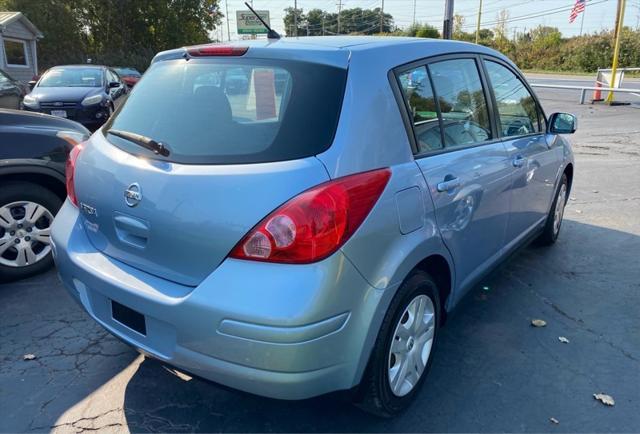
(43, 176)
(568, 170)
(438, 267)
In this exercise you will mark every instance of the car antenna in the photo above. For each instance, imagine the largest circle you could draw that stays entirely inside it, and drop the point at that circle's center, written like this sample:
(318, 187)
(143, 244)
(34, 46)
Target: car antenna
(272, 34)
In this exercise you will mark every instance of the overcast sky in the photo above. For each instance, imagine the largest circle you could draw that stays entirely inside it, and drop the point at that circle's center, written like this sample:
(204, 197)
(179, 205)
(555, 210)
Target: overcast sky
(600, 14)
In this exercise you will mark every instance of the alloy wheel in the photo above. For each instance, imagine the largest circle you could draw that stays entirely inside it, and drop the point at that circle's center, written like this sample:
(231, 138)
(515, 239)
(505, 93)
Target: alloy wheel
(25, 228)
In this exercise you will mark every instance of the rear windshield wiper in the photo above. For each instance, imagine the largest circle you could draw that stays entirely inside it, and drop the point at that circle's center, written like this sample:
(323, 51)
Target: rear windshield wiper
(157, 148)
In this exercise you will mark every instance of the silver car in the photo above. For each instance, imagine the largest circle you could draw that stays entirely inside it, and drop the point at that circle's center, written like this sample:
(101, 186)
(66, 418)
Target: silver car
(308, 232)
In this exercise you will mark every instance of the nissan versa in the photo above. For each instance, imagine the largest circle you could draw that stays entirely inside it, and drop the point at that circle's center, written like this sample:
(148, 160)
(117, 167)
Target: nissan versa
(296, 239)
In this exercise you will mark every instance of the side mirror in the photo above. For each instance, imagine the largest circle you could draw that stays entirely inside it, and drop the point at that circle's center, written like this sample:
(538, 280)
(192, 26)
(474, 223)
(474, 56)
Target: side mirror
(32, 84)
(114, 84)
(562, 123)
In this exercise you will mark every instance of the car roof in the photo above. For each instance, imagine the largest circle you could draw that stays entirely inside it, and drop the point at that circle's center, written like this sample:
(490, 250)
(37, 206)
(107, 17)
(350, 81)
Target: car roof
(338, 50)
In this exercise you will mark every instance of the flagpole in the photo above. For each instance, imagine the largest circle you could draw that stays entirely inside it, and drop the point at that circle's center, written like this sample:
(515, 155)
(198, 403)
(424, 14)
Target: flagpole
(584, 12)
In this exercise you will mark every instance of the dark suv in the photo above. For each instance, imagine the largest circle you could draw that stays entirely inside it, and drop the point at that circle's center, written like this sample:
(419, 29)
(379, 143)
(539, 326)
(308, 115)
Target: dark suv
(33, 153)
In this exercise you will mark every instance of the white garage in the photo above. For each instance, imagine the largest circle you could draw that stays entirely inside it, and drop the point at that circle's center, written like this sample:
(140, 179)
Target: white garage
(18, 50)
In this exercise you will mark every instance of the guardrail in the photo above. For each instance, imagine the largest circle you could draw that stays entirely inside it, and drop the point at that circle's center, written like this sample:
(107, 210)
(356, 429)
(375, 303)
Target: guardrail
(618, 69)
(584, 89)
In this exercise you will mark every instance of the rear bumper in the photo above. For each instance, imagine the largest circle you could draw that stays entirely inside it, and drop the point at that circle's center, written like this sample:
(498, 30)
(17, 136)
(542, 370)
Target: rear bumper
(288, 332)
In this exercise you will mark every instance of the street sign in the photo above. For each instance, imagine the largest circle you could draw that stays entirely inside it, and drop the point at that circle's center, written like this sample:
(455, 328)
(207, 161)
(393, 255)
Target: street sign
(249, 24)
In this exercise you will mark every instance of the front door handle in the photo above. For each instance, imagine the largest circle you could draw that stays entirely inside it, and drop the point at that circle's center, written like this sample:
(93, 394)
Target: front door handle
(448, 184)
(518, 161)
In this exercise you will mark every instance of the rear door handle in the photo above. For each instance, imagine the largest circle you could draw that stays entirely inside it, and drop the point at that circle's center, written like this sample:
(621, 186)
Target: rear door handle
(448, 185)
(518, 161)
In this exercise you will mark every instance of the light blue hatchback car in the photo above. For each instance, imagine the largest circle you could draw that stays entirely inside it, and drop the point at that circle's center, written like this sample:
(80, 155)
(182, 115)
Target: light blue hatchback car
(308, 232)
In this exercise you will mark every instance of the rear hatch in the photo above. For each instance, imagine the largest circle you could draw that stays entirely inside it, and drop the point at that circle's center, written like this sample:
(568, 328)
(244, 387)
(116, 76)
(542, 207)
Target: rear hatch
(241, 134)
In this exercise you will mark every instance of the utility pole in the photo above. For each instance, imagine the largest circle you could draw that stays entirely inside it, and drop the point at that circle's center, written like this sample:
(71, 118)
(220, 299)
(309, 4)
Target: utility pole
(226, 6)
(382, 17)
(447, 27)
(615, 30)
(616, 50)
(478, 26)
(295, 18)
(414, 13)
(322, 23)
(339, 10)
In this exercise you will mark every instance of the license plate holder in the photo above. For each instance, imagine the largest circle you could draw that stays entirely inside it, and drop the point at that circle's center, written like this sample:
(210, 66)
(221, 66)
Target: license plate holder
(128, 317)
(59, 113)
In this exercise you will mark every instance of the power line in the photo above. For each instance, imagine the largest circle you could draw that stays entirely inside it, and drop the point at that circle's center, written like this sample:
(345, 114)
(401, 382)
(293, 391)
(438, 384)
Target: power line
(547, 12)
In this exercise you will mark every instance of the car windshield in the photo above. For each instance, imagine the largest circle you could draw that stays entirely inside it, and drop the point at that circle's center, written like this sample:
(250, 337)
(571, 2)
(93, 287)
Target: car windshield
(227, 111)
(72, 77)
(122, 72)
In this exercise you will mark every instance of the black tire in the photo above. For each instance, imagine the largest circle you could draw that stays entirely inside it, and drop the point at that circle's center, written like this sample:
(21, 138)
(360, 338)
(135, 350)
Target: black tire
(15, 191)
(374, 394)
(549, 234)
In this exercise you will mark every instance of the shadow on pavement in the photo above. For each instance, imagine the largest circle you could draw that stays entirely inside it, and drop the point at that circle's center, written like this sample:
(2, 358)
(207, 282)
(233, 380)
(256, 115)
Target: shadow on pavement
(492, 371)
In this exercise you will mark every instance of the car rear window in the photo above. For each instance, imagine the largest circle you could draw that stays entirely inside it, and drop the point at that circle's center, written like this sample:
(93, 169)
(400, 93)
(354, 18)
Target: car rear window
(231, 111)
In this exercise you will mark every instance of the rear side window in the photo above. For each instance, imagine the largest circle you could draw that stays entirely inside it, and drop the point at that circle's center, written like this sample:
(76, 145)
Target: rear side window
(228, 111)
(112, 77)
(518, 111)
(421, 102)
(462, 102)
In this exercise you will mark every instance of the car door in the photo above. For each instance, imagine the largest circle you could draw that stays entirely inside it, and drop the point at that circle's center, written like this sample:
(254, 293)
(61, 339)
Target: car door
(466, 168)
(10, 93)
(535, 161)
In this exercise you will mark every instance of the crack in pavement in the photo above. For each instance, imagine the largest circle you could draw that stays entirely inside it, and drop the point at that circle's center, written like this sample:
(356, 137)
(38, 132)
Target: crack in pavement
(575, 320)
(79, 429)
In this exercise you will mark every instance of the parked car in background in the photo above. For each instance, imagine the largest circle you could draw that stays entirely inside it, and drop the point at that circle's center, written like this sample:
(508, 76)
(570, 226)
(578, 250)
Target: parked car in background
(83, 93)
(301, 243)
(130, 76)
(33, 82)
(236, 81)
(11, 92)
(33, 153)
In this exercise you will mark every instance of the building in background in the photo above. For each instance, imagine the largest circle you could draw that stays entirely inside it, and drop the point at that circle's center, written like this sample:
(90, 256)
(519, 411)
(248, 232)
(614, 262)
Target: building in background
(18, 51)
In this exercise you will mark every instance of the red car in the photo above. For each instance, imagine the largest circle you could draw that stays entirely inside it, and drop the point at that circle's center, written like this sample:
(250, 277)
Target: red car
(129, 76)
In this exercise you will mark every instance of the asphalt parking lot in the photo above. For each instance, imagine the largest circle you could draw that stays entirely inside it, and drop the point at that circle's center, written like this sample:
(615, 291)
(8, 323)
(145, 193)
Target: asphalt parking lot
(492, 370)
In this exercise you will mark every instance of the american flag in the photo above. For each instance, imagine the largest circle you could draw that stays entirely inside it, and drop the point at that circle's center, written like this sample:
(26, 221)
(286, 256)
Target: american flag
(577, 8)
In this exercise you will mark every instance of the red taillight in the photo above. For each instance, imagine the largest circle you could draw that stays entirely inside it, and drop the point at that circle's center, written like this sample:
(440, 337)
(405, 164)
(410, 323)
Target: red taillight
(316, 223)
(69, 171)
(216, 50)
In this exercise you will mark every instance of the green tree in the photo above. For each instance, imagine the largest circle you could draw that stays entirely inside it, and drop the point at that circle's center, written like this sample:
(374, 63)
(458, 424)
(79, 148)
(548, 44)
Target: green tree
(422, 31)
(352, 21)
(147, 27)
(289, 22)
(116, 32)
